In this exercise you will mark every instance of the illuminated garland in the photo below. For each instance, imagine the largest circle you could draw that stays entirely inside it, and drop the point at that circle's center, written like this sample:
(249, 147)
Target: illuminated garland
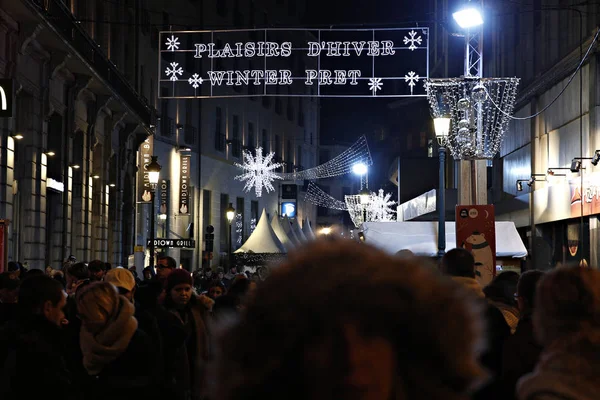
(480, 110)
(318, 197)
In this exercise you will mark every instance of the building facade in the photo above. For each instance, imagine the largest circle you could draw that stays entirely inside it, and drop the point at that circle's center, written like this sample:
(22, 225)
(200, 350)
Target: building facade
(86, 98)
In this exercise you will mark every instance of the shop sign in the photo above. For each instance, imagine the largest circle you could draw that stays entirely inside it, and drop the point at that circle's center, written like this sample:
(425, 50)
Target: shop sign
(590, 198)
(145, 157)
(476, 232)
(184, 184)
(390, 62)
(177, 243)
(164, 197)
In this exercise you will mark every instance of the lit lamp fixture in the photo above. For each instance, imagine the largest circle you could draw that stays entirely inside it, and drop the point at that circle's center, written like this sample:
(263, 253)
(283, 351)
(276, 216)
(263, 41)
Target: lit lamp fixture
(75, 166)
(112, 185)
(442, 128)
(364, 195)
(326, 231)
(230, 214)
(50, 153)
(575, 165)
(17, 136)
(360, 168)
(596, 158)
(153, 170)
(96, 176)
(468, 17)
(529, 182)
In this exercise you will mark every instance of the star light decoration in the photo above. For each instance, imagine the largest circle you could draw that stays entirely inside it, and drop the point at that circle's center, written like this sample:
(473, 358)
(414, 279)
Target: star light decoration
(380, 207)
(259, 171)
(479, 108)
(375, 84)
(173, 71)
(413, 39)
(172, 43)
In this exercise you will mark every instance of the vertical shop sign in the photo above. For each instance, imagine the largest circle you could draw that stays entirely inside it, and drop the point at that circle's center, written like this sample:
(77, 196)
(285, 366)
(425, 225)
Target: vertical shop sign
(184, 184)
(145, 157)
(476, 232)
(164, 197)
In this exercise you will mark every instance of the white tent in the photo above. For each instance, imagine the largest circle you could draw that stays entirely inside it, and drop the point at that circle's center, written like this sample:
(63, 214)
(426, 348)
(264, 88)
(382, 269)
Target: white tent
(280, 232)
(298, 231)
(263, 239)
(307, 229)
(421, 237)
(287, 227)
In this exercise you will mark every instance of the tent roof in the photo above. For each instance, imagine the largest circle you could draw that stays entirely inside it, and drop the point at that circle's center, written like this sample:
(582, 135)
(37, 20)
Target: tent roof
(287, 227)
(263, 239)
(298, 231)
(307, 230)
(421, 237)
(281, 234)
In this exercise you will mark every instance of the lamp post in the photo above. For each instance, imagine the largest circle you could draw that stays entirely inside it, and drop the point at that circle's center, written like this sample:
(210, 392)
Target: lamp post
(364, 201)
(153, 170)
(442, 127)
(230, 213)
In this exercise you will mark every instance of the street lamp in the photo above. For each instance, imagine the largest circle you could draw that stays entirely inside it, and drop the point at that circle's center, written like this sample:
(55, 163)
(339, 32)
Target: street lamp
(364, 195)
(442, 128)
(230, 213)
(468, 17)
(360, 168)
(153, 170)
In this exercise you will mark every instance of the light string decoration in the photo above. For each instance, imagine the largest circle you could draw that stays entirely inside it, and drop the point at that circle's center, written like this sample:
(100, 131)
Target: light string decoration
(239, 227)
(380, 206)
(480, 109)
(260, 170)
(355, 209)
(340, 165)
(318, 197)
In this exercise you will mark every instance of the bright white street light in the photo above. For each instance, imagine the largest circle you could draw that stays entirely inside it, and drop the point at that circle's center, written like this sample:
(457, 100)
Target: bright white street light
(468, 17)
(359, 168)
(326, 231)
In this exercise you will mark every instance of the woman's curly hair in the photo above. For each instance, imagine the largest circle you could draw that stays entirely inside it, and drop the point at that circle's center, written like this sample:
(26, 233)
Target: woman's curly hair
(433, 327)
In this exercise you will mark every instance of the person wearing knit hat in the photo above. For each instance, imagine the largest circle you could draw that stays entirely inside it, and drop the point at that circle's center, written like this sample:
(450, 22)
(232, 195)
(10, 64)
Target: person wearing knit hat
(191, 311)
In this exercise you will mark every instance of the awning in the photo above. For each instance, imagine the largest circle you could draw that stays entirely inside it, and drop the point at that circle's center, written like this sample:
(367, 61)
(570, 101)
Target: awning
(421, 237)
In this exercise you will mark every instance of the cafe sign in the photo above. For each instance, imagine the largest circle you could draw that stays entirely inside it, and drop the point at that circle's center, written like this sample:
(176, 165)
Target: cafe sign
(294, 63)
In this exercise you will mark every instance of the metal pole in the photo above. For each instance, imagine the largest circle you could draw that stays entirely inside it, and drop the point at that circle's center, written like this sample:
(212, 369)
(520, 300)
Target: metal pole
(152, 195)
(399, 216)
(230, 247)
(442, 204)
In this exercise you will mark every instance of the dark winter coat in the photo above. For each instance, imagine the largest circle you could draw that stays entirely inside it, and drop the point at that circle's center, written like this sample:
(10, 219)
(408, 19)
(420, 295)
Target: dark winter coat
(520, 355)
(32, 365)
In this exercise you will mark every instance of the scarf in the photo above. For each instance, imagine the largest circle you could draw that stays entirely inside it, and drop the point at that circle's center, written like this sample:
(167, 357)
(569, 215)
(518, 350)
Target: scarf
(106, 346)
(470, 284)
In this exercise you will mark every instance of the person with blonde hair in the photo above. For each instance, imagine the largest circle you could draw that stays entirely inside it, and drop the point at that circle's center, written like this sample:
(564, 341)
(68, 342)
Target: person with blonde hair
(341, 321)
(115, 351)
(566, 323)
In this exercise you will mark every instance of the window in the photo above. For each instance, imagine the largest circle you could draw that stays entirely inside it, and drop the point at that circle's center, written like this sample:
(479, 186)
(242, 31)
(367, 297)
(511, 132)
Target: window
(219, 136)
(206, 215)
(299, 158)
(224, 228)
(235, 139)
(251, 143)
(265, 141)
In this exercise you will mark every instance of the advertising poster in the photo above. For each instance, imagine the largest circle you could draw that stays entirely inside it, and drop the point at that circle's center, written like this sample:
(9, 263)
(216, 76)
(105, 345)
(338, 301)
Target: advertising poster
(476, 232)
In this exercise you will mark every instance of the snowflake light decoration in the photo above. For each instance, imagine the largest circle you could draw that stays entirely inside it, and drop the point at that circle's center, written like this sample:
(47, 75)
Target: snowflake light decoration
(412, 40)
(412, 78)
(380, 207)
(239, 227)
(375, 84)
(259, 171)
(174, 71)
(195, 81)
(172, 43)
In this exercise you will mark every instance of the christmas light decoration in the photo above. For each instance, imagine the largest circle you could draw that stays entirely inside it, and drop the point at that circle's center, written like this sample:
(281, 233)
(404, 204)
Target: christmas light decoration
(340, 165)
(259, 172)
(480, 109)
(239, 226)
(317, 196)
(355, 209)
(380, 207)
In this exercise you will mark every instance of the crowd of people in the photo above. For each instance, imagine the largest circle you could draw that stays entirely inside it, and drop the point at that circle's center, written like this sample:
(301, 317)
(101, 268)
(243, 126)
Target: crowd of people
(335, 320)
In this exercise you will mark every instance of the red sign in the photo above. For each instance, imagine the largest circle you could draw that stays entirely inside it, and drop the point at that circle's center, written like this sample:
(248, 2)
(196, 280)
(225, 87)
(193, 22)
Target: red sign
(476, 232)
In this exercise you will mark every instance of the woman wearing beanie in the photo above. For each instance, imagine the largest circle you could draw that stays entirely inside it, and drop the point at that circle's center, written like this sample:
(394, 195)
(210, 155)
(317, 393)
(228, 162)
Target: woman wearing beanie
(191, 311)
(115, 351)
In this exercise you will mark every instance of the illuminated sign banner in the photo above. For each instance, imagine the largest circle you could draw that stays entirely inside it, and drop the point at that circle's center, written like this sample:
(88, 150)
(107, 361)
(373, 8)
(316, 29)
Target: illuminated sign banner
(143, 182)
(294, 63)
